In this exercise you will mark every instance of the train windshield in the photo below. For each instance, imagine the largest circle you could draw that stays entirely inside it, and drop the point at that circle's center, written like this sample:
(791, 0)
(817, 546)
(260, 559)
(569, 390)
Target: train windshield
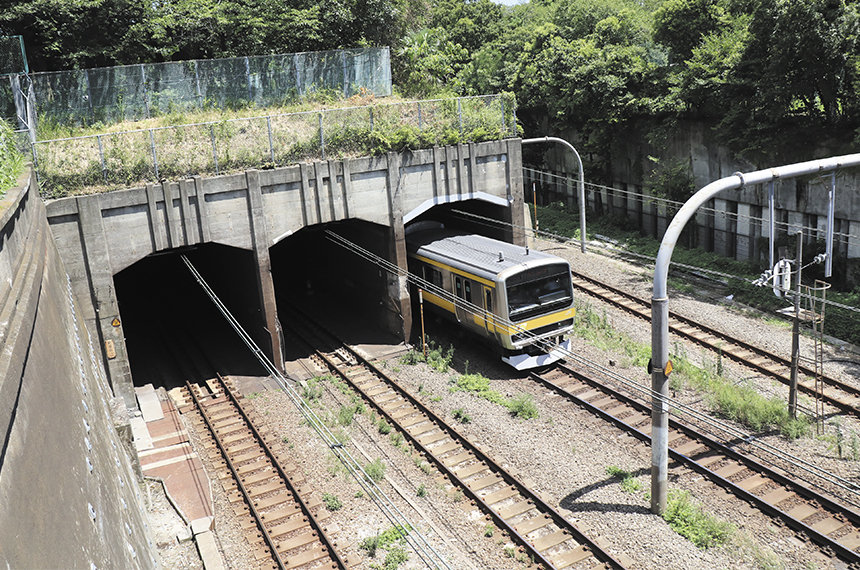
(539, 290)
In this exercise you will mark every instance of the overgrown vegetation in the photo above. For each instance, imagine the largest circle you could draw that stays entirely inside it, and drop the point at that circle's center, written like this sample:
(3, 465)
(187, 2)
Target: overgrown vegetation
(521, 406)
(385, 539)
(461, 416)
(11, 161)
(738, 403)
(312, 389)
(437, 358)
(687, 519)
(629, 483)
(375, 470)
(145, 154)
(331, 502)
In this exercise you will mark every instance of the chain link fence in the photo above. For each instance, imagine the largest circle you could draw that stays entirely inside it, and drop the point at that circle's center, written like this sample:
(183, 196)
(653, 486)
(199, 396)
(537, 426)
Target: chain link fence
(132, 92)
(120, 160)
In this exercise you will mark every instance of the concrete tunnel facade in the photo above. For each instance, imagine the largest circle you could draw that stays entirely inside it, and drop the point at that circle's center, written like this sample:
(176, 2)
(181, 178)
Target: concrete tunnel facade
(100, 235)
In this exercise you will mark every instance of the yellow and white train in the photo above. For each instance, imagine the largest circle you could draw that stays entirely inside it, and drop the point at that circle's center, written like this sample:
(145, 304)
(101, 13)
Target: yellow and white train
(519, 299)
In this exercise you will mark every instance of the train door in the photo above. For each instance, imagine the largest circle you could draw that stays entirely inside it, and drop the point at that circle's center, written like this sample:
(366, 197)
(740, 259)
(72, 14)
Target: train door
(459, 292)
(488, 311)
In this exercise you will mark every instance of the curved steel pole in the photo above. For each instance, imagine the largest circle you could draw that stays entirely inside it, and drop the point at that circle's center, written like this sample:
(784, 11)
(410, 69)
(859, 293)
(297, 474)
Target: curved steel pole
(660, 306)
(581, 182)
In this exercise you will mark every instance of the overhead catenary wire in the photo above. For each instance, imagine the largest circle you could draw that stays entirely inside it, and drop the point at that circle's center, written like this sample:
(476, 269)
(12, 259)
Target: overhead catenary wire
(407, 530)
(645, 198)
(676, 406)
(566, 241)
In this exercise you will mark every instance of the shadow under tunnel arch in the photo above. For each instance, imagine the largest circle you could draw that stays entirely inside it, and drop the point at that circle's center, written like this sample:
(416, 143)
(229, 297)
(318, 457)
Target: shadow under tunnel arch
(173, 330)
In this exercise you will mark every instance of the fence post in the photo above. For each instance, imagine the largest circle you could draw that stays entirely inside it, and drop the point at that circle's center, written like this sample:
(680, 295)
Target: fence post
(35, 161)
(102, 157)
(197, 85)
(271, 146)
(371, 119)
(248, 78)
(298, 75)
(504, 124)
(145, 90)
(345, 83)
(214, 149)
(322, 136)
(89, 95)
(420, 123)
(154, 156)
(460, 114)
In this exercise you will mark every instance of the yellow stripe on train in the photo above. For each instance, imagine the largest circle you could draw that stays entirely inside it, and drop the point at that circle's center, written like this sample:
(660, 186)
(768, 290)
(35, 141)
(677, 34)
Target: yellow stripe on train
(500, 327)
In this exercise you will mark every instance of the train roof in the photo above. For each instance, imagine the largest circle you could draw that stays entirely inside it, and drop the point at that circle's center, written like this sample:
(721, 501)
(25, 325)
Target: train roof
(478, 254)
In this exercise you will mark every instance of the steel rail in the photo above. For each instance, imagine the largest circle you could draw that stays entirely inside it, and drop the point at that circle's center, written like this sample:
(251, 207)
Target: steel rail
(557, 518)
(761, 367)
(324, 538)
(796, 487)
(245, 494)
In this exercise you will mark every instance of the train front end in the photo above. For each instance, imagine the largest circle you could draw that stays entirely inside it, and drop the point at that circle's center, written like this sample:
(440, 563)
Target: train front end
(539, 303)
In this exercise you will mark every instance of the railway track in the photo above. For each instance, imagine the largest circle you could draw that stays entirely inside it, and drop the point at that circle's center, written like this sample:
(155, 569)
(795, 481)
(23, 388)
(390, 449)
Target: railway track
(838, 394)
(816, 516)
(541, 531)
(283, 526)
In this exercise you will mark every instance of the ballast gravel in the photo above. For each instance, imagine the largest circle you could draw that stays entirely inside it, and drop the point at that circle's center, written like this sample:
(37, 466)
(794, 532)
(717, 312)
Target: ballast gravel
(566, 454)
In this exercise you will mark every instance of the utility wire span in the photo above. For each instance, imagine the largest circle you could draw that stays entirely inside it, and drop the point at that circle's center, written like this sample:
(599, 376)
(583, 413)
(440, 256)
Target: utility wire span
(677, 407)
(644, 198)
(567, 242)
(414, 537)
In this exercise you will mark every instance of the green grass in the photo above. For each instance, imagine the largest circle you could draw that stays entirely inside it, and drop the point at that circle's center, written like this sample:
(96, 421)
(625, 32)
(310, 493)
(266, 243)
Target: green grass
(461, 416)
(384, 539)
(69, 167)
(840, 323)
(332, 503)
(437, 358)
(520, 406)
(422, 490)
(395, 557)
(629, 483)
(523, 406)
(11, 161)
(687, 519)
(312, 390)
(375, 470)
(738, 403)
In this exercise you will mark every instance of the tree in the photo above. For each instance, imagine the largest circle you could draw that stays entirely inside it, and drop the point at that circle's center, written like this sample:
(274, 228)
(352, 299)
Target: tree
(681, 25)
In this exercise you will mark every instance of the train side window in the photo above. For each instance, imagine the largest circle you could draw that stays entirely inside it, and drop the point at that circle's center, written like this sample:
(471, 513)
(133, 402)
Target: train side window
(468, 291)
(488, 300)
(436, 277)
(459, 287)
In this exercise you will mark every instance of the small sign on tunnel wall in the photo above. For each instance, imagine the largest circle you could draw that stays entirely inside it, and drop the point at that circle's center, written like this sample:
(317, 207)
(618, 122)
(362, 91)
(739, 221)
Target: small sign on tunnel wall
(110, 349)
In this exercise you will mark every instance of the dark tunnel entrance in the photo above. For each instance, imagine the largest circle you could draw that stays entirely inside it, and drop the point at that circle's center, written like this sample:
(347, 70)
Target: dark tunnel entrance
(173, 331)
(336, 286)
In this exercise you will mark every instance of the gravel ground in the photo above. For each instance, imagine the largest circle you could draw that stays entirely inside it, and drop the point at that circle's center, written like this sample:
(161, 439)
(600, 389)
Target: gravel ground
(565, 453)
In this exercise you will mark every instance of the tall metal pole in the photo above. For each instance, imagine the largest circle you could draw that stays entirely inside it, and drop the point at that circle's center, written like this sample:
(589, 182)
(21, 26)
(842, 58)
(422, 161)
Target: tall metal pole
(795, 332)
(659, 299)
(581, 182)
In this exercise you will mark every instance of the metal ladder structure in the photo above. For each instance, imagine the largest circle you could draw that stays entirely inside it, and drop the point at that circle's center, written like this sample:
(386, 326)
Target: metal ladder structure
(813, 299)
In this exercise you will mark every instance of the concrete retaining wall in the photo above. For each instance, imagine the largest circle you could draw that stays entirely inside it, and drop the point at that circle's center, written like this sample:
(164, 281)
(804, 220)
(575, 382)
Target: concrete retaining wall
(68, 492)
(733, 230)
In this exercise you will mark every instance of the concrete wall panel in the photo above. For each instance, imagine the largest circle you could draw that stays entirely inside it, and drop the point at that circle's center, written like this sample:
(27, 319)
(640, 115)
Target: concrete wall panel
(69, 494)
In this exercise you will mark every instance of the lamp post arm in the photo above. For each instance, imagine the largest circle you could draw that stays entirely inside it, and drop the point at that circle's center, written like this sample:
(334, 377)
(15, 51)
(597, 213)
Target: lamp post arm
(581, 181)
